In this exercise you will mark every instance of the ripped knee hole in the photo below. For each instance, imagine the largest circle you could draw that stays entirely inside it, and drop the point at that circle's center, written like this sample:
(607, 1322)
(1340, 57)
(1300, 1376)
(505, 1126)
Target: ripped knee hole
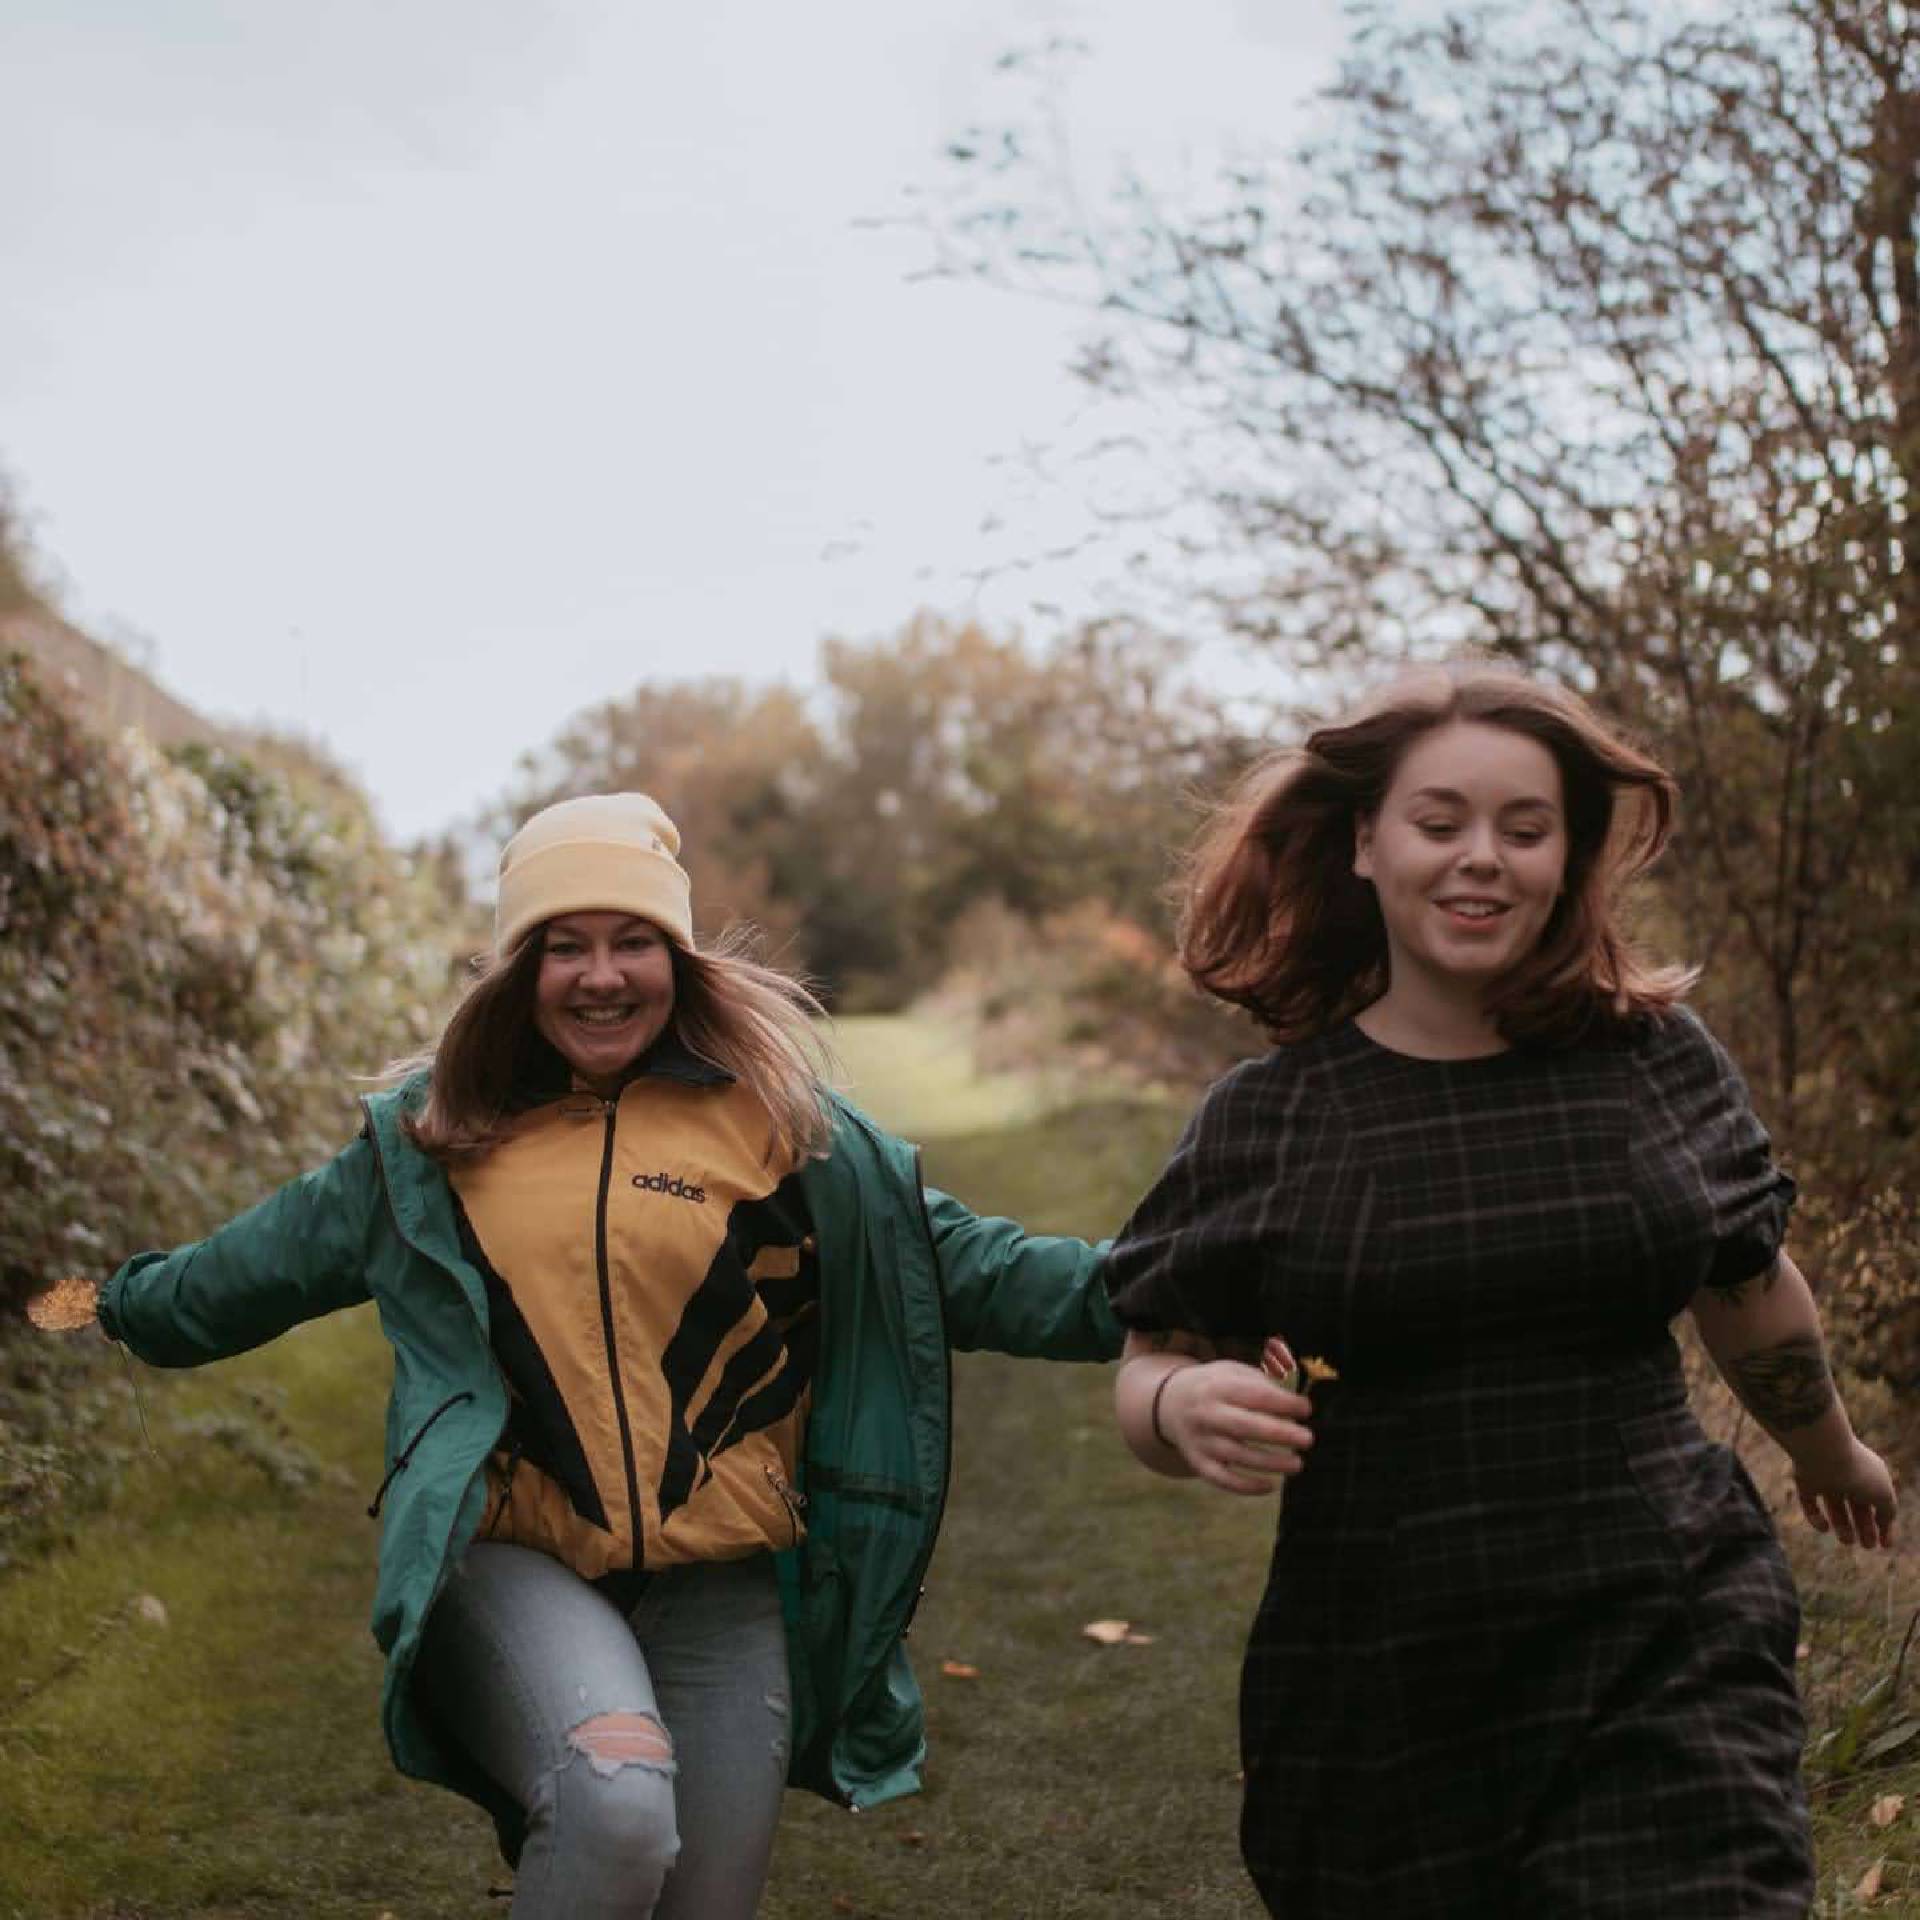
(611, 1740)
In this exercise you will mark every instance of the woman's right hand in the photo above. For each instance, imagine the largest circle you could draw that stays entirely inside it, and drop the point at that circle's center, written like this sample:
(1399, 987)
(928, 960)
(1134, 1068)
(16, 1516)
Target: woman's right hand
(1234, 1427)
(1851, 1498)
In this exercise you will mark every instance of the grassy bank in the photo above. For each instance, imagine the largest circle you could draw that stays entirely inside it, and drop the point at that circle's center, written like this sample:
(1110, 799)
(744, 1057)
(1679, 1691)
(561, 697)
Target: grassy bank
(187, 1689)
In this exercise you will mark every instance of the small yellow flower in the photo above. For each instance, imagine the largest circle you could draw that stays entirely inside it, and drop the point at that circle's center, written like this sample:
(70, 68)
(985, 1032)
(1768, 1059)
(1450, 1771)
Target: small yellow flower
(1298, 1376)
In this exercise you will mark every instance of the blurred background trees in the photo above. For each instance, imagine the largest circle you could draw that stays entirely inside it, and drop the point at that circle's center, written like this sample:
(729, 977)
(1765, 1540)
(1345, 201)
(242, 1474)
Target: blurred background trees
(929, 773)
(1587, 331)
(1584, 331)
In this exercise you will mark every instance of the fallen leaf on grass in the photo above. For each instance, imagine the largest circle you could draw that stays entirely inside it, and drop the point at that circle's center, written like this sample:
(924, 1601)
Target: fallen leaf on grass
(1886, 1810)
(959, 1670)
(841, 1904)
(152, 1609)
(1115, 1633)
(1868, 1887)
(913, 1837)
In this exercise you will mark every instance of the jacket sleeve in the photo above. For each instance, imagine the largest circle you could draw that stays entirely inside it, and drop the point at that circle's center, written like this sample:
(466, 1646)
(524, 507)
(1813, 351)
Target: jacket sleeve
(1030, 1294)
(298, 1254)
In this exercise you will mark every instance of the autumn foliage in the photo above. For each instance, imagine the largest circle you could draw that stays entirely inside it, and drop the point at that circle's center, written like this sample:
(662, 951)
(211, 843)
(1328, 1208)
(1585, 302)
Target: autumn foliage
(194, 960)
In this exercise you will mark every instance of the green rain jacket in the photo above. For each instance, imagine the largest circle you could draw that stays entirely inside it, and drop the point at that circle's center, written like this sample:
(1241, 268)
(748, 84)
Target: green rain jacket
(905, 1275)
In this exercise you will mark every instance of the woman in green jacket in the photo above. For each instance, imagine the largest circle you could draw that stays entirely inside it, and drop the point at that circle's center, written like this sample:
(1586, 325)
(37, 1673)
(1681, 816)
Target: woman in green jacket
(667, 1441)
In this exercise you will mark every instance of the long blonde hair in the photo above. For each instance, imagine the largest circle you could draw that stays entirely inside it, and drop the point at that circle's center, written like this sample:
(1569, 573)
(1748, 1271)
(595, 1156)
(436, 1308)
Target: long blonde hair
(729, 1009)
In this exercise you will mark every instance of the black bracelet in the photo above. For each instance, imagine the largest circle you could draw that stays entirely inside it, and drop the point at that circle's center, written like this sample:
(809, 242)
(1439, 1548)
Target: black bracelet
(1153, 1414)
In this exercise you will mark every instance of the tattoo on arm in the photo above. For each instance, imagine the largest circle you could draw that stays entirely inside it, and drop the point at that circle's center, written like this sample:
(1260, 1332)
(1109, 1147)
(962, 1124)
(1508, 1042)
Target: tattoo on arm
(1784, 1386)
(1733, 1293)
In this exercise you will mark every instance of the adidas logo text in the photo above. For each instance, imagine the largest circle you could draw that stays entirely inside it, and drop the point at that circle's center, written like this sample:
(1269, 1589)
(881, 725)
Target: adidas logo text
(673, 1184)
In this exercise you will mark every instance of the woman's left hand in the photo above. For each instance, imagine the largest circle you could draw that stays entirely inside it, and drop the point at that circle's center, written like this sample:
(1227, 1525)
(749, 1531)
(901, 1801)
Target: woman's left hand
(1852, 1498)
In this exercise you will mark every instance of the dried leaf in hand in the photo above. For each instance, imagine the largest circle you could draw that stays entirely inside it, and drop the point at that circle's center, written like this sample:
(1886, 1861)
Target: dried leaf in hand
(66, 1306)
(959, 1670)
(1109, 1633)
(1317, 1369)
(1886, 1810)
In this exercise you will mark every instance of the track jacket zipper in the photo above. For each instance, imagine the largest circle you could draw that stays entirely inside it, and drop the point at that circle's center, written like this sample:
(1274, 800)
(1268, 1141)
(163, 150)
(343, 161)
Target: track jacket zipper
(611, 1110)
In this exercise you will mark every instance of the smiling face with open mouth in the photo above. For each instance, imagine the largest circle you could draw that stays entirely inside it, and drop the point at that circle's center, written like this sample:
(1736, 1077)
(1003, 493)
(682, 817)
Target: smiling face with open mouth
(1467, 855)
(604, 993)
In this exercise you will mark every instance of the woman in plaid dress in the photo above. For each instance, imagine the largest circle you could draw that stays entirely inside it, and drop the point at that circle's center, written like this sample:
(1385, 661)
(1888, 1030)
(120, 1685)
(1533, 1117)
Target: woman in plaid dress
(1527, 1642)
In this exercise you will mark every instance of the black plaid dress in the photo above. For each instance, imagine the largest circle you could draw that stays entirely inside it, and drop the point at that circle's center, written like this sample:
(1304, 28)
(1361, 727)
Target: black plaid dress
(1526, 1646)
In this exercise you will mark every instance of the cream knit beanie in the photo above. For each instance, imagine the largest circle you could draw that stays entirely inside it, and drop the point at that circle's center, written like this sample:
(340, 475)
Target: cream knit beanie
(610, 852)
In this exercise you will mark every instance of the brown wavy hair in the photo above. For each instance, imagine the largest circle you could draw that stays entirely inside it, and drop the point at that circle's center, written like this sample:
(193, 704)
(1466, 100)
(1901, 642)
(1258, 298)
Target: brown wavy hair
(1275, 919)
(728, 1008)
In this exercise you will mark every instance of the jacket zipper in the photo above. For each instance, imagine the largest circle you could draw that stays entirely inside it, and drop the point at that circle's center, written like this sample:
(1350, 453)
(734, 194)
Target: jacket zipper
(611, 1109)
(791, 1498)
(919, 1575)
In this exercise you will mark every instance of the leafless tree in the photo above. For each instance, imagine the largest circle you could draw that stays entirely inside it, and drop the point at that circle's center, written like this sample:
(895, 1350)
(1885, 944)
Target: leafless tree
(1587, 331)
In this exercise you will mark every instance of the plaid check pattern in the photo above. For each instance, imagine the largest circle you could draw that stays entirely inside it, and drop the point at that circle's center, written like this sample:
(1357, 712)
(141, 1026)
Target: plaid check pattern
(1526, 1646)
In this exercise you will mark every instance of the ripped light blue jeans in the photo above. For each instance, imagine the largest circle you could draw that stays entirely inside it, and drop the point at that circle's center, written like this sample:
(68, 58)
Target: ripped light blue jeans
(648, 1749)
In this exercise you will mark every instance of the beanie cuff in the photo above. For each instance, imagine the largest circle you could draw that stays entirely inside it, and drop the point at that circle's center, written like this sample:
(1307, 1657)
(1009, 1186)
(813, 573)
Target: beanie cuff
(579, 876)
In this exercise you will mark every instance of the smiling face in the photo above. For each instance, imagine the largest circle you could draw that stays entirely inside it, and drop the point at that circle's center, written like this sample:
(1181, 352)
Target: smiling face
(1467, 855)
(604, 993)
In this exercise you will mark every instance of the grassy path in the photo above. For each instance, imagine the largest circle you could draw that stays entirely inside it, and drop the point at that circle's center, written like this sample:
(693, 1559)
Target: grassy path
(188, 1691)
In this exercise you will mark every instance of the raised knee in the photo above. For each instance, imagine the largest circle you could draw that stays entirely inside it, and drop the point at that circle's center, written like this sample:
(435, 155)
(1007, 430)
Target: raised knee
(619, 1804)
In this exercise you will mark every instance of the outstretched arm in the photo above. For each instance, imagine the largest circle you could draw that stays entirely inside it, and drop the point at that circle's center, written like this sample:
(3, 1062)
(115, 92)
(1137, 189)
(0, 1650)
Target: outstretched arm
(1187, 1411)
(299, 1253)
(1037, 1295)
(1764, 1336)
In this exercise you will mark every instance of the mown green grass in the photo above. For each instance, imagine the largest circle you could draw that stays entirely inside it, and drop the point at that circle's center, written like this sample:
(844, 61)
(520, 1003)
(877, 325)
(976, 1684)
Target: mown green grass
(224, 1760)
(228, 1765)
(917, 1075)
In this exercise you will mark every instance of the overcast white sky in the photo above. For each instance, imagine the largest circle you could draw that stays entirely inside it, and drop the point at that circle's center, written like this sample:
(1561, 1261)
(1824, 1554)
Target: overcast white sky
(414, 374)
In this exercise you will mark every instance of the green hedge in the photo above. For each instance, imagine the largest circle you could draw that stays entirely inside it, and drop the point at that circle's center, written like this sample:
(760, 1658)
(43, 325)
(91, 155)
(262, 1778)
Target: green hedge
(198, 956)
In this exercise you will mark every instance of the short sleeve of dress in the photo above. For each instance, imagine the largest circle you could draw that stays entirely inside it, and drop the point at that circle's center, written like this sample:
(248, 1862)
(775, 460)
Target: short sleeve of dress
(1701, 1108)
(1192, 1255)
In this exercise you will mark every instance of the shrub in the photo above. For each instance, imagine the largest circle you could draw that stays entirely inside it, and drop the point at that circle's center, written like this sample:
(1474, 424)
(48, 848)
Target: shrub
(196, 956)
